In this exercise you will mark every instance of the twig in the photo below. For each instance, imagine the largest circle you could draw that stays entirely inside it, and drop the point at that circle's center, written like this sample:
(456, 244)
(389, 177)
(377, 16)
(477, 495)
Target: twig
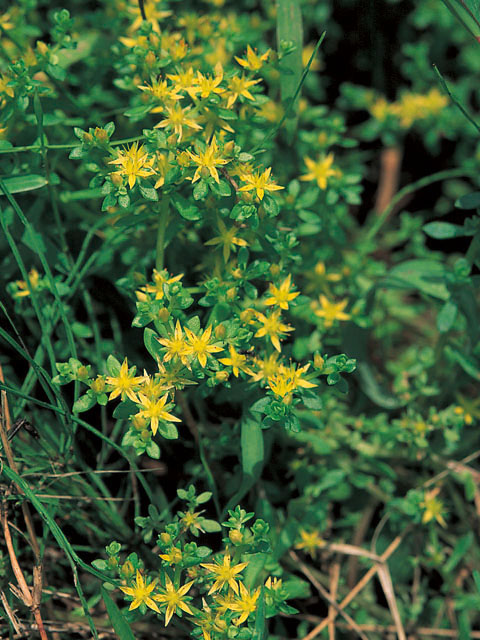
(334, 577)
(390, 164)
(324, 593)
(393, 546)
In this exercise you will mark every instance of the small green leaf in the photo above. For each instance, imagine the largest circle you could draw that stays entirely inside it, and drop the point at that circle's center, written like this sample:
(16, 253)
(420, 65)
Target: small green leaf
(443, 230)
(119, 624)
(446, 316)
(168, 430)
(469, 201)
(84, 403)
(149, 193)
(252, 447)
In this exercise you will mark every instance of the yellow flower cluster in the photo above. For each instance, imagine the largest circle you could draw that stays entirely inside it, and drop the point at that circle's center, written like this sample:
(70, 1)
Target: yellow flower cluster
(411, 107)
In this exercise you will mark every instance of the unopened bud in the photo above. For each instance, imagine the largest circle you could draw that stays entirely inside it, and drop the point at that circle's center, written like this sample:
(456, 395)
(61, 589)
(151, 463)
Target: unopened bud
(82, 373)
(231, 293)
(183, 159)
(116, 179)
(127, 569)
(87, 137)
(100, 134)
(318, 361)
(150, 59)
(235, 536)
(221, 376)
(220, 331)
(42, 47)
(98, 385)
(274, 269)
(165, 537)
(163, 314)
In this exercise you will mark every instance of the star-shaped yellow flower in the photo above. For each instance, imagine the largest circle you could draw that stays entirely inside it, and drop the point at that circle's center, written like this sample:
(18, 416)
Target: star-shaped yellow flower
(253, 61)
(199, 346)
(272, 327)
(321, 170)
(281, 296)
(209, 160)
(174, 598)
(332, 311)
(259, 182)
(226, 574)
(125, 383)
(134, 163)
(141, 593)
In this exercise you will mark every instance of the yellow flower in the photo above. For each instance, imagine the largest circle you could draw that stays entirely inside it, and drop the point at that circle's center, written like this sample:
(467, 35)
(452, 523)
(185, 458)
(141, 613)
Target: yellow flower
(154, 12)
(311, 541)
(160, 278)
(199, 346)
(259, 182)
(236, 360)
(125, 384)
(380, 109)
(282, 295)
(162, 167)
(184, 81)
(212, 122)
(134, 163)
(160, 90)
(332, 311)
(174, 598)
(253, 61)
(227, 238)
(266, 368)
(281, 385)
(239, 86)
(246, 604)
(204, 86)
(176, 119)
(174, 556)
(176, 346)
(433, 508)
(25, 288)
(154, 409)
(141, 593)
(272, 327)
(226, 574)
(4, 88)
(321, 170)
(208, 160)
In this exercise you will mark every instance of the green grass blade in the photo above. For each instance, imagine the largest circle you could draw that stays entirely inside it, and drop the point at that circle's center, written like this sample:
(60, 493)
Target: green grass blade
(119, 624)
(290, 35)
(455, 100)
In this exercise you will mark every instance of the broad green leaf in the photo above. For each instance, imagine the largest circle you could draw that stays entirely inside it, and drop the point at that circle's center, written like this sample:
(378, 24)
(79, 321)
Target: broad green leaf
(84, 403)
(256, 562)
(153, 346)
(260, 630)
(19, 184)
(373, 389)
(424, 275)
(119, 624)
(252, 447)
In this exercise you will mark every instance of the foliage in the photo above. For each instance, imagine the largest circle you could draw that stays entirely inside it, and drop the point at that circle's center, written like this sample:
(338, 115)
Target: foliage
(224, 291)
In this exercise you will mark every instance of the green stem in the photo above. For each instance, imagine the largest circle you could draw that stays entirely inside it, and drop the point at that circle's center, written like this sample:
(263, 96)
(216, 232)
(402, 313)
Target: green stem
(162, 226)
(380, 220)
(37, 147)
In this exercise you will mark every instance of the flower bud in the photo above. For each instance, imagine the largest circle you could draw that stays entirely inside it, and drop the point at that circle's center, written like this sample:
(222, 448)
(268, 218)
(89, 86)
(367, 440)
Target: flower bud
(221, 376)
(220, 331)
(127, 569)
(163, 314)
(98, 385)
(116, 179)
(318, 361)
(150, 59)
(100, 134)
(235, 536)
(274, 269)
(42, 47)
(166, 538)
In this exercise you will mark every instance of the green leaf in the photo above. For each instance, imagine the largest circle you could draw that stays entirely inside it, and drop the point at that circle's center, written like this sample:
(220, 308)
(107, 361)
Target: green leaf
(19, 184)
(468, 364)
(168, 430)
(150, 339)
(424, 275)
(221, 189)
(84, 403)
(443, 230)
(153, 450)
(149, 193)
(185, 208)
(200, 190)
(252, 447)
(113, 366)
(446, 316)
(372, 388)
(469, 201)
(119, 624)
